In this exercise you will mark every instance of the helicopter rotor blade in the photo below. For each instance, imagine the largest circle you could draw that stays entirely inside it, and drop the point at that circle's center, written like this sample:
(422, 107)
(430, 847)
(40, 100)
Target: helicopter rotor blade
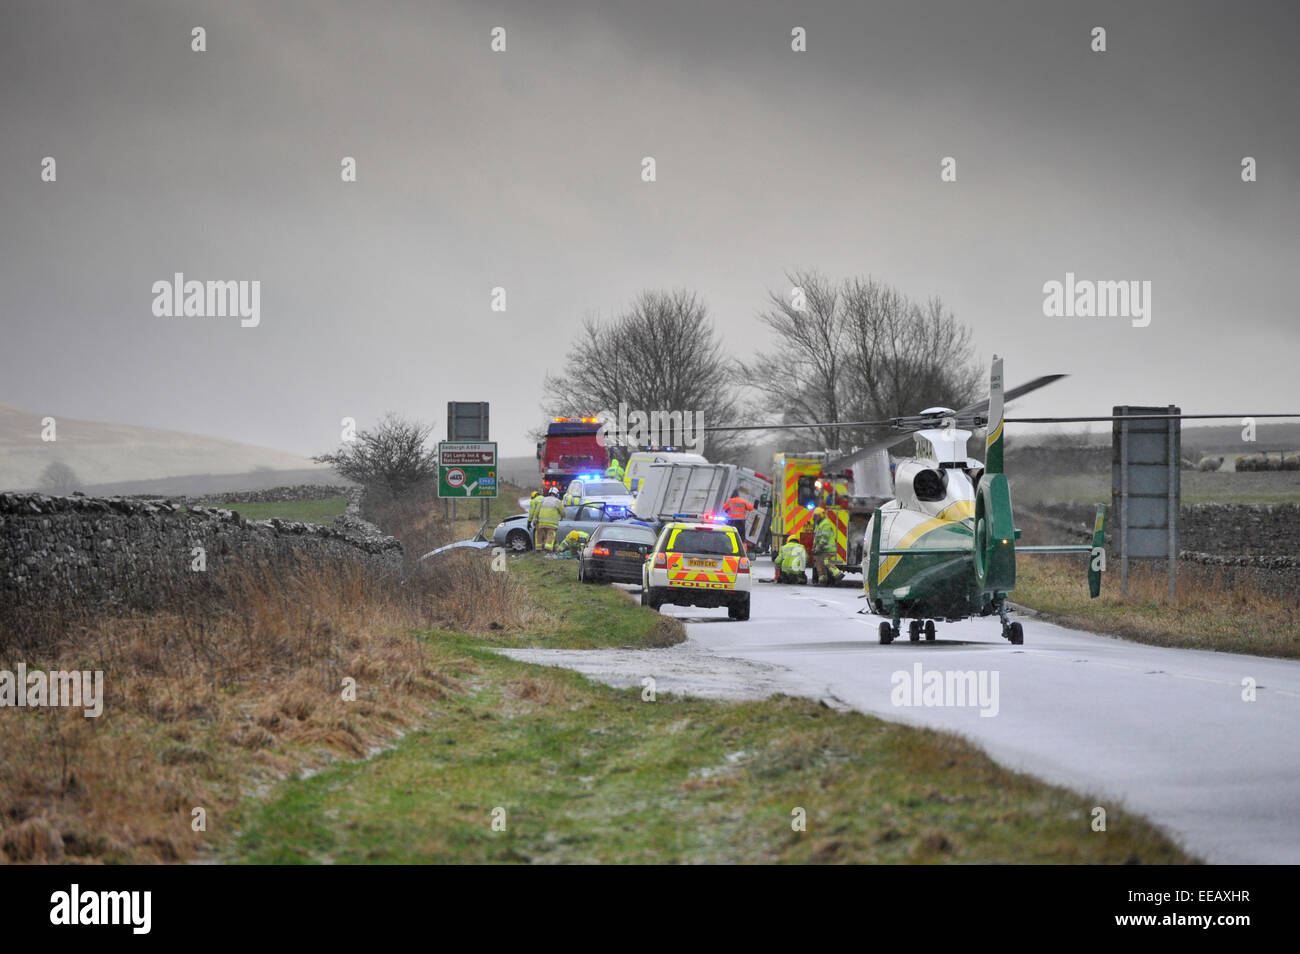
(981, 407)
(1138, 417)
(908, 424)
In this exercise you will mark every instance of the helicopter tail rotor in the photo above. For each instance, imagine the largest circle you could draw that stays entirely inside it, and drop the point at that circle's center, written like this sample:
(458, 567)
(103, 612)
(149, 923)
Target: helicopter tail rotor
(1097, 558)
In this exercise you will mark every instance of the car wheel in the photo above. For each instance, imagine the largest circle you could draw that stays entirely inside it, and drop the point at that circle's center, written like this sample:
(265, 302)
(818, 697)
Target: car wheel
(655, 600)
(740, 609)
(519, 541)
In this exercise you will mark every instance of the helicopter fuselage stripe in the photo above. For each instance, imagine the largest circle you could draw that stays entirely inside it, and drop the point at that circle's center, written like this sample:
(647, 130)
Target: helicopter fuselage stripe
(909, 531)
(994, 435)
(957, 510)
(918, 531)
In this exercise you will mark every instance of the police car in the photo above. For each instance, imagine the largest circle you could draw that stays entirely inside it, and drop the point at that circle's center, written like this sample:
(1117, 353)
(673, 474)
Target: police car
(593, 488)
(698, 564)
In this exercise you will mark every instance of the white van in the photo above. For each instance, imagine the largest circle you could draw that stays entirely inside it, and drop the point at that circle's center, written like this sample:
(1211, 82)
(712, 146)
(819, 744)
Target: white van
(638, 465)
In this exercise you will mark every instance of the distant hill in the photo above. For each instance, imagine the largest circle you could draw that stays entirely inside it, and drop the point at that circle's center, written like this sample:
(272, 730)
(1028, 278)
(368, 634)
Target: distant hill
(1269, 436)
(112, 455)
(197, 485)
(520, 471)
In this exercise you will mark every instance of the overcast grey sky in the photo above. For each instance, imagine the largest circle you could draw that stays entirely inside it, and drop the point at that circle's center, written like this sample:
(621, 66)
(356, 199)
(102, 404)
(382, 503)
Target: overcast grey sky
(522, 169)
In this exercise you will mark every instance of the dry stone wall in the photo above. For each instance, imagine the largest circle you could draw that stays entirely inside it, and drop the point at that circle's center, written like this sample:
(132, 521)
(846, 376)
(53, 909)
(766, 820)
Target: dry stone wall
(98, 551)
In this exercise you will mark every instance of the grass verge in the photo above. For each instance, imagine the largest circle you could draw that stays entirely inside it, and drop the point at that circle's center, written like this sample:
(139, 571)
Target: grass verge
(577, 772)
(573, 615)
(581, 773)
(219, 689)
(1215, 607)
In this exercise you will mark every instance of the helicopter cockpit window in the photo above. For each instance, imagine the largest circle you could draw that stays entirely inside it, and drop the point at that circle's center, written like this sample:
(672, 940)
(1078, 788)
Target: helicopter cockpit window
(929, 485)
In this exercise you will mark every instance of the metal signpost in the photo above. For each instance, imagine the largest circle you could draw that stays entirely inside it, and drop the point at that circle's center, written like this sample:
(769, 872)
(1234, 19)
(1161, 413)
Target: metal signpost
(1146, 487)
(467, 422)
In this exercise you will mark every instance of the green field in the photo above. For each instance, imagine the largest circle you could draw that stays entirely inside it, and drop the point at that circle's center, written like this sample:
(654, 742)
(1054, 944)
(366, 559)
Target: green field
(1264, 487)
(304, 511)
(579, 772)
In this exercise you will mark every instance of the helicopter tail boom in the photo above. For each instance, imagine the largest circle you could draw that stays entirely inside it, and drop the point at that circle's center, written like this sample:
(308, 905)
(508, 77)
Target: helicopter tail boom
(993, 443)
(1096, 552)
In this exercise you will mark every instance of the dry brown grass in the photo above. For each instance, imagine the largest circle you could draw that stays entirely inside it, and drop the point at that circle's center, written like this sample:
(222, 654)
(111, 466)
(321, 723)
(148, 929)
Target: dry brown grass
(418, 518)
(1224, 608)
(228, 688)
(1218, 608)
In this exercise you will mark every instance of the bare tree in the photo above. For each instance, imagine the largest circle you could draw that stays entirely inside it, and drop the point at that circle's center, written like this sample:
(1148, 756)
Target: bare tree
(859, 350)
(662, 354)
(59, 478)
(806, 377)
(391, 459)
(906, 357)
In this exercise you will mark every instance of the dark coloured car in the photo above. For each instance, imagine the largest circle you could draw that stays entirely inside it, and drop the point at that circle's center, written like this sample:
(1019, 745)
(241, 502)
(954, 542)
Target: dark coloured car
(615, 554)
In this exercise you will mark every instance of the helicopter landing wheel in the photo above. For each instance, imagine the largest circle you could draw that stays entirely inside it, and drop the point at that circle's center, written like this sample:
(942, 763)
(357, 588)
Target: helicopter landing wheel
(929, 630)
(886, 634)
(914, 630)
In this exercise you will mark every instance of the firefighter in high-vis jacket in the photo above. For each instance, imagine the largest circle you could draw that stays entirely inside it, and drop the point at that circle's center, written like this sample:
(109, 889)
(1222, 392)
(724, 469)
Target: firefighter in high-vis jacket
(573, 543)
(532, 510)
(824, 550)
(615, 469)
(791, 561)
(549, 512)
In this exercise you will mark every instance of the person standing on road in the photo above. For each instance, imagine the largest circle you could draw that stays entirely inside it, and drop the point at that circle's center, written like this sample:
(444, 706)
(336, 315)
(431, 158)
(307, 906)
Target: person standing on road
(824, 549)
(615, 469)
(532, 511)
(737, 510)
(549, 512)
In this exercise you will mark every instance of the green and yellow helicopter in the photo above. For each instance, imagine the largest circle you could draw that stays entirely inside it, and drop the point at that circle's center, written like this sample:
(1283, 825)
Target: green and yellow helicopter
(945, 546)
